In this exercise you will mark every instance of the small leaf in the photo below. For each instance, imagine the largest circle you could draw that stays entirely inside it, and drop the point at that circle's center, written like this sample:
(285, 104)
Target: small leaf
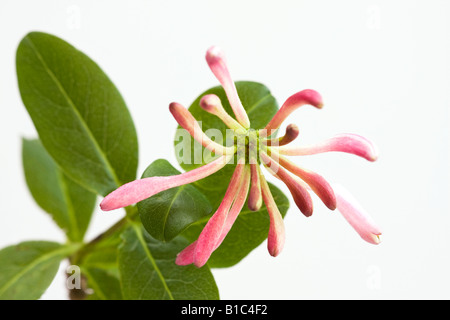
(27, 269)
(81, 118)
(249, 230)
(68, 203)
(148, 270)
(168, 213)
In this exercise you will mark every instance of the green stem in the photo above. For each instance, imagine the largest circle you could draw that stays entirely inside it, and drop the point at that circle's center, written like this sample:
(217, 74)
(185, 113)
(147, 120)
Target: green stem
(131, 215)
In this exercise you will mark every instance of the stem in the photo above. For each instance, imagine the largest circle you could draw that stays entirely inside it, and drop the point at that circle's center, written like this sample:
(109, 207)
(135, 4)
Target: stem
(131, 215)
(86, 248)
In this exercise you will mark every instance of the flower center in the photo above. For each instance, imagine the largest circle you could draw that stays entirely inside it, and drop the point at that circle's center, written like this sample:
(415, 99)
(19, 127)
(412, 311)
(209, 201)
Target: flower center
(247, 146)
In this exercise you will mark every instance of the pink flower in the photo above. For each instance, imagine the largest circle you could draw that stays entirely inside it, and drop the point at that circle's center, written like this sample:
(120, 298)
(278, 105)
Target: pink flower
(247, 180)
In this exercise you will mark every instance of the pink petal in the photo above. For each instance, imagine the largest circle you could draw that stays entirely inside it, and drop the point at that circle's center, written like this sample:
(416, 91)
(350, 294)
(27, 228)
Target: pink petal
(255, 197)
(347, 142)
(299, 193)
(141, 189)
(211, 232)
(186, 256)
(276, 236)
(356, 216)
(188, 122)
(237, 206)
(295, 101)
(291, 134)
(316, 182)
(212, 104)
(216, 61)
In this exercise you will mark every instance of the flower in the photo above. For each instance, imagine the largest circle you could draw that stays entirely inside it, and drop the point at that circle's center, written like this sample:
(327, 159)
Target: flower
(247, 181)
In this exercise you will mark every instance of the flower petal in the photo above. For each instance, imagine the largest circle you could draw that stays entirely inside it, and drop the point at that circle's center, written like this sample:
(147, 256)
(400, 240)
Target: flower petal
(141, 189)
(212, 104)
(188, 122)
(346, 142)
(216, 61)
(237, 206)
(213, 229)
(356, 216)
(276, 237)
(316, 182)
(299, 192)
(255, 197)
(295, 101)
(291, 134)
(186, 256)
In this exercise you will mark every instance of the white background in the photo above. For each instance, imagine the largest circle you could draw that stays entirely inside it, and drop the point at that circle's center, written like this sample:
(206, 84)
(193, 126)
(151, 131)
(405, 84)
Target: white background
(383, 70)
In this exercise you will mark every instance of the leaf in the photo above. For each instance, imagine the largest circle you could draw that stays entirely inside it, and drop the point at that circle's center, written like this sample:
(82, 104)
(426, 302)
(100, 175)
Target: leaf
(81, 118)
(248, 232)
(104, 282)
(260, 105)
(102, 270)
(27, 269)
(69, 204)
(148, 270)
(168, 213)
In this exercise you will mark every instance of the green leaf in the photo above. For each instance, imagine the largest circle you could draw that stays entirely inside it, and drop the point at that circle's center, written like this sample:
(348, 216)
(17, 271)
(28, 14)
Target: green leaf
(260, 105)
(102, 270)
(104, 282)
(148, 270)
(81, 118)
(27, 269)
(68, 203)
(249, 230)
(168, 213)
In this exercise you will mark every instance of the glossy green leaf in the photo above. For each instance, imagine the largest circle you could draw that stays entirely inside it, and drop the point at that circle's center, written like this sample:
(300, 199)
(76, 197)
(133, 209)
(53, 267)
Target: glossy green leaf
(260, 105)
(168, 213)
(248, 232)
(69, 204)
(81, 118)
(27, 269)
(148, 270)
(101, 269)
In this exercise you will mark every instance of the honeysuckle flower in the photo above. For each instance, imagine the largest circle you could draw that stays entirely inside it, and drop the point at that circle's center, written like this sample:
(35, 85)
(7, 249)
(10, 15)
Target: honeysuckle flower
(247, 181)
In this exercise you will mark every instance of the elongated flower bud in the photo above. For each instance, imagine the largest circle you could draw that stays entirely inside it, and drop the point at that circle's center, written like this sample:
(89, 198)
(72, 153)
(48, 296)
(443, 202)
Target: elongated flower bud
(186, 256)
(276, 237)
(210, 234)
(255, 196)
(188, 122)
(212, 104)
(356, 216)
(300, 194)
(141, 189)
(315, 181)
(216, 61)
(291, 134)
(294, 102)
(346, 142)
